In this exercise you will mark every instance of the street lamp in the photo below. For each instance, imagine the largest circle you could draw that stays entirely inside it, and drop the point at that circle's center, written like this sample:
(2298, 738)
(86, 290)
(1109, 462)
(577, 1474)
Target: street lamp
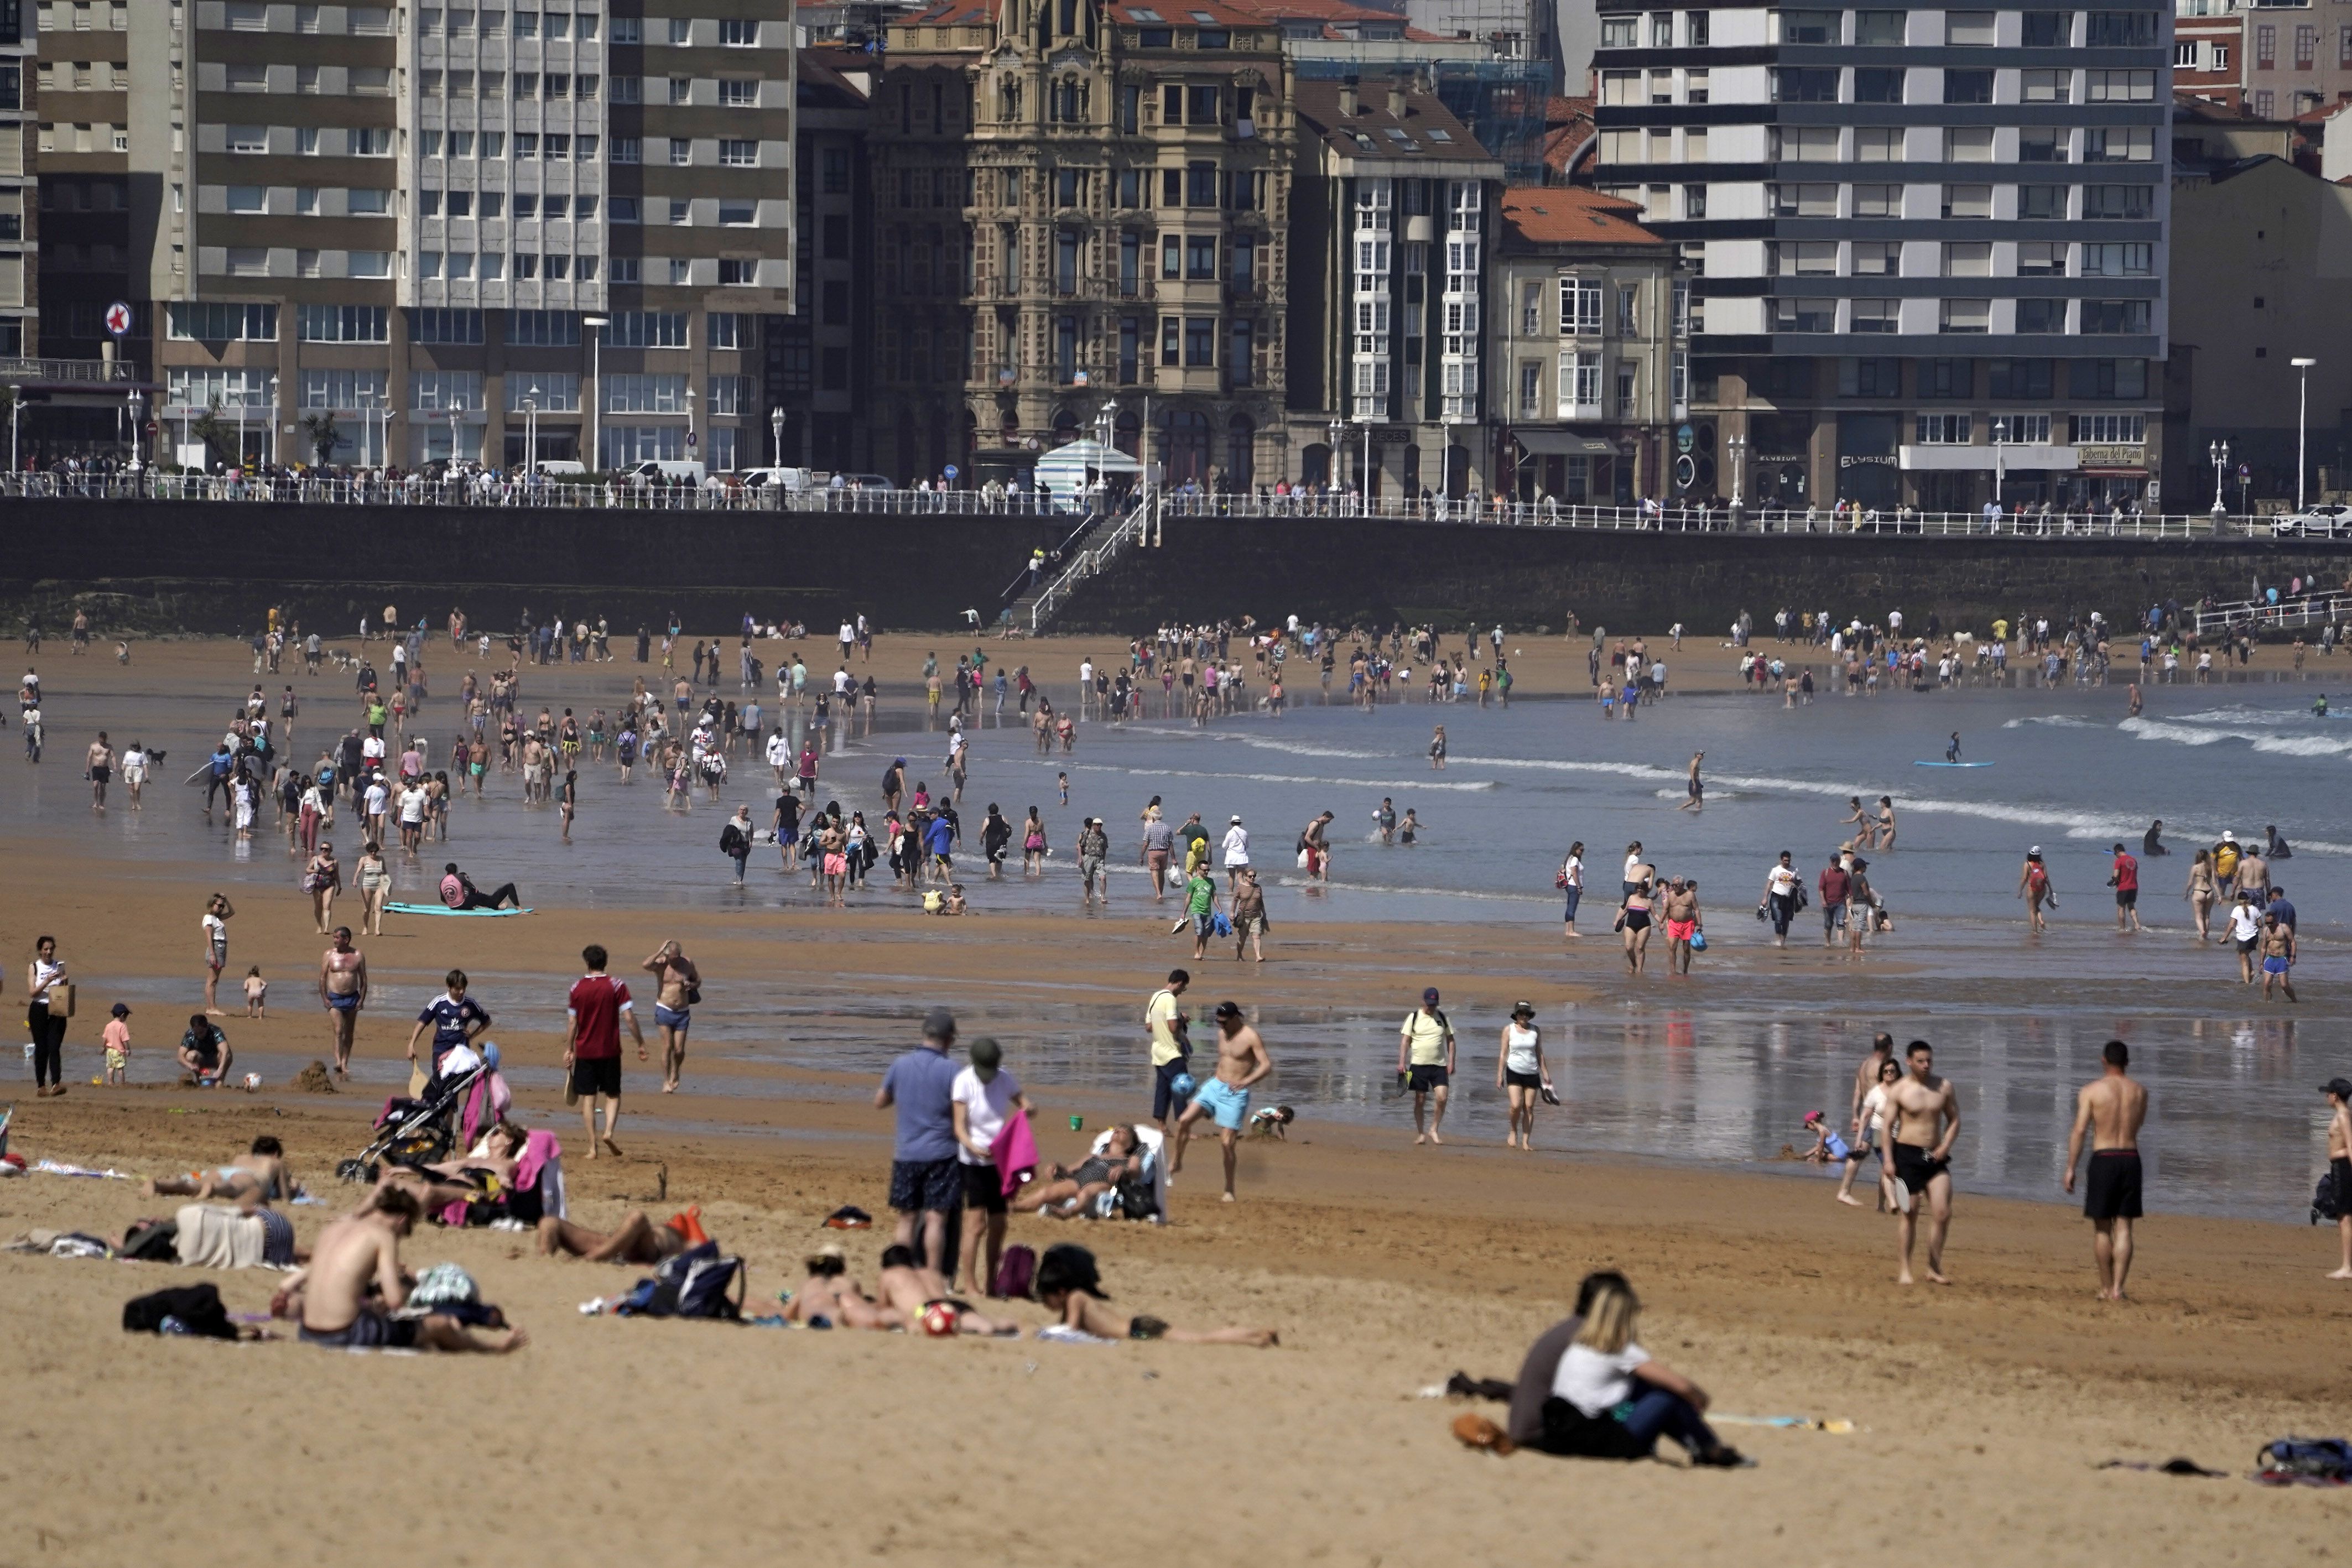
(273, 419)
(451, 471)
(1338, 429)
(776, 431)
(138, 402)
(530, 431)
(595, 407)
(2302, 410)
(2000, 468)
(1739, 446)
(2218, 451)
(690, 418)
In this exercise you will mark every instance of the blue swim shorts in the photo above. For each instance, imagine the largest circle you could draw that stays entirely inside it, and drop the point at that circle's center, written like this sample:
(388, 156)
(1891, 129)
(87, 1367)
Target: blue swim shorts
(1228, 1104)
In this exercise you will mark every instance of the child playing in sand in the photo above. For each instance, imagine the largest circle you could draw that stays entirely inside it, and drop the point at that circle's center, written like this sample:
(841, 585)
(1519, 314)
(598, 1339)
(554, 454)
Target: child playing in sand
(1828, 1148)
(118, 1049)
(257, 994)
(1273, 1122)
(1071, 1289)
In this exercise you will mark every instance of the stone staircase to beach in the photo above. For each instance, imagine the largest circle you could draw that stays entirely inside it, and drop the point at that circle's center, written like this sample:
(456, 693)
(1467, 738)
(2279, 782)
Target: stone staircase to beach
(1092, 554)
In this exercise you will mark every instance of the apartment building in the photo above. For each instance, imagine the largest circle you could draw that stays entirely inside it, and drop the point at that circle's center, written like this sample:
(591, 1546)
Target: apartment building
(1080, 213)
(20, 204)
(2294, 58)
(1929, 247)
(1392, 218)
(2208, 52)
(399, 233)
(1592, 353)
(817, 366)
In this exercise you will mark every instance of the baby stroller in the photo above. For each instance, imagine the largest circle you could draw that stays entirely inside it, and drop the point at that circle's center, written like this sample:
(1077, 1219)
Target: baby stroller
(419, 1131)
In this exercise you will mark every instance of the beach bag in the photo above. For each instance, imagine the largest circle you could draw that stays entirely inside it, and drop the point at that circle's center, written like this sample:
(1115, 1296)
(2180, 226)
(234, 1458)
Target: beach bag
(2317, 1459)
(1137, 1197)
(2327, 1202)
(1017, 1271)
(1698, 941)
(151, 1241)
(184, 1309)
(1220, 924)
(693, 1284)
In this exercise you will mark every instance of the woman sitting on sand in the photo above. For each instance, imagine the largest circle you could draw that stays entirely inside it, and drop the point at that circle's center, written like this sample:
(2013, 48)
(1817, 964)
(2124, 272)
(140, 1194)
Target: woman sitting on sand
(1611, 1400)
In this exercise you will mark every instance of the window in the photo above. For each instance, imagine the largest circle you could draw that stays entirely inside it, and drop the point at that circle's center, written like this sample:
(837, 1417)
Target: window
(2119, 86)
(1876, 258)
(627, 89)
(1968, 87)
(1967, 201)
(1807, 84)
(1800, 201)
(2042, 202)
(211, 323)
(462, 327)
(1803, 315)
(369, 204)
(1872, 377)
(1801, 258)
(1204, 106)
(350, 391)
(2118, 260)
(626, 150)
(1793, 28)
(229, 388)
(1948, 378)
(1968, 29)
(737, 272)
(249, 139)
(681, 152)
(628, 30)
(736, 94)
(2111, 316)
(1580, 385)
(1966, 316)
(1662, 29)
(2118, 203)
(371, 142)
(739, 32)
(1874, 316)
(1808, 143)
(555, 86)
(647, 329)
(1579, 307)
(2108, 429)
(587, 22)
(1620, 33)
(738, 213)
(2042, 144)
(1878, 30)
(1693, 200)
(1695, 29)
(543, 329)
(2103, 144)
(1695, 90)
(1941, 429)
(631, 393)
(1969, 144)
(1878, 83)
(2041, 315)
(1969, 259)
(445, 392)
(1878, 201)
(246, 199)
(2047, 29)
(2022, 378)
(2120, 30)
(2041, 258)
(738, 154)
(2045, 87)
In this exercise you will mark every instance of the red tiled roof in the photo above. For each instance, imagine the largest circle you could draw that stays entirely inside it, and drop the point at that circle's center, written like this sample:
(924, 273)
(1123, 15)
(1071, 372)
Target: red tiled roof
(1572, 215)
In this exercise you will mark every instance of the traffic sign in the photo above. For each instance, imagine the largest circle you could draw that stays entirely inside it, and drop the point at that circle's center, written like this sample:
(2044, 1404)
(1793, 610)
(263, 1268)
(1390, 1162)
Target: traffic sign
(950, 471)
(118, 320)
(690, 438)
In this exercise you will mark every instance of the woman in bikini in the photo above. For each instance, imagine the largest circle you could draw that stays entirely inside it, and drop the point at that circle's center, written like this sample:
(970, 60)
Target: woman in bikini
(1032, 845)
(1885, 823)
(2202, 892)
(1633, 920)
(1866, 830)
(324, 879)
(375, 880)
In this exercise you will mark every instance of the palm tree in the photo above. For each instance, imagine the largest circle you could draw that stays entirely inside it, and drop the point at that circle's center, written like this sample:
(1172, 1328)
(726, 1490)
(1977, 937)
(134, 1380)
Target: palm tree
(323, 433)
(219, 436)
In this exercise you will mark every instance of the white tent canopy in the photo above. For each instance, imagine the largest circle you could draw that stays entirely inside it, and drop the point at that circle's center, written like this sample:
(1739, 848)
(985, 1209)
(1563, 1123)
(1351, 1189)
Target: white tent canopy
(1072, 468)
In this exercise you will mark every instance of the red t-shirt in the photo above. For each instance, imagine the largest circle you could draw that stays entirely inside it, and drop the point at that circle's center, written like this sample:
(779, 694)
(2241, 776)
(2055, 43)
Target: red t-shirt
(596, 1005)
(2126, 874)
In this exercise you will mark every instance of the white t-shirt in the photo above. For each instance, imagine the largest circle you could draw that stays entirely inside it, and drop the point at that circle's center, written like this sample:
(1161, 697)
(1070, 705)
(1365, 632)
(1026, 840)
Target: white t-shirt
(376, 796)
(1596, 1384)
(1520, 1055)
(1873, 1108)
(412, 806)
(1783, 881)
(1236, 845)
(1632, 867)
(1573, 868)
(2245, 923)
(985, 1107)
(215, 932)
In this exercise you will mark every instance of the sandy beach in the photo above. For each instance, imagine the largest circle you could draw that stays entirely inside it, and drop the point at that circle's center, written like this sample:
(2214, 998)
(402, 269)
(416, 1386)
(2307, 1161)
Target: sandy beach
(1984, 1410)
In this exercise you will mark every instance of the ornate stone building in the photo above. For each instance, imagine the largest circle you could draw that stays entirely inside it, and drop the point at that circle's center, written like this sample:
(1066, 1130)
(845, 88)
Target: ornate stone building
(1080, 213)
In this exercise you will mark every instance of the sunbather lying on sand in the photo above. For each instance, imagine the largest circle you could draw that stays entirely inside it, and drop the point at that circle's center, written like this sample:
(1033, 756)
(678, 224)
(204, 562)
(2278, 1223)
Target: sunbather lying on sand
(1071, 1288)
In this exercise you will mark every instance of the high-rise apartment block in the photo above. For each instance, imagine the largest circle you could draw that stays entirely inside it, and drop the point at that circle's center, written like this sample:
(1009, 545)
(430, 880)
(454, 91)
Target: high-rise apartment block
(1927, 246)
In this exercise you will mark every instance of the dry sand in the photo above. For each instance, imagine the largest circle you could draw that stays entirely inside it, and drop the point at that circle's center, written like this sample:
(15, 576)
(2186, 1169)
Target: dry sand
(1986, 1407)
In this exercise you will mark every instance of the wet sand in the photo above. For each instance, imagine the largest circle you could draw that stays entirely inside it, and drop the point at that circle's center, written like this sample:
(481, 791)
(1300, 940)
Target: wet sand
(1986, 1406)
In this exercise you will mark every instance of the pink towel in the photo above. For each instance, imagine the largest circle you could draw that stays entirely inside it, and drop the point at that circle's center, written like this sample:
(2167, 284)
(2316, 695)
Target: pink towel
(537, 1148)
(1015, 1152)
(489, 1092)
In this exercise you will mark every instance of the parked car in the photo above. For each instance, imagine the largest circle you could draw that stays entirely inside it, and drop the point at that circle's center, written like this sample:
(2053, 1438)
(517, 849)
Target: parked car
(655, 470)
(787, 479)
(2323, 521)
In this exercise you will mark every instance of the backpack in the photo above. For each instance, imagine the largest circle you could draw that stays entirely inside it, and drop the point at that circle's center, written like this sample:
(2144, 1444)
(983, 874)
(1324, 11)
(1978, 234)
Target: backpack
(2327, 1202)
(693, 1284)
(1136, 1197)
(151, 1241)
(1016, 1271)
(2316, 1460)
(185, 1310)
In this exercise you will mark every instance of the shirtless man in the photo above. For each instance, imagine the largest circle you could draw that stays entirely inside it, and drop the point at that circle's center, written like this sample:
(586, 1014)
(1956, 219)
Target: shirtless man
(2339, 1165)
(913, 1289)
(259, 1176)
(342, 990)
(1317, 838)
(674, 976)
(100, 768)
(1694, 786)
(1682, 924)
(1917, 1145)
(363, 1248)
(2111, 1109)
(636, 1241)
(1242, 1061)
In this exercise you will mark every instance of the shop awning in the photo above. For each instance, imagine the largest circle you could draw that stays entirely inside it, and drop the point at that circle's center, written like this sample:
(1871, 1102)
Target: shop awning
(1562, 443)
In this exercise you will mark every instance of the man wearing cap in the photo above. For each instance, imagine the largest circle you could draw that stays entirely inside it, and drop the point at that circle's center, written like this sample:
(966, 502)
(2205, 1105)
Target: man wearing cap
(1094, 848)
(1425, 1061)
(2125, 880)
(2339, 1165)
(1236, 853)
(926, 1183)
(1242, 1061)
(2111, 1109)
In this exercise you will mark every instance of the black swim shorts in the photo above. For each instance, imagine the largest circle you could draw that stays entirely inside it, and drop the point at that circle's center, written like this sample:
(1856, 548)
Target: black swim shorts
(371, 1330)
(984, 1189)
(2112, 1188)
(1523, 1080)
(1420, 1079)
(1141, 1327)
(925, 1185)
(596, 1075)
(1914, 1170)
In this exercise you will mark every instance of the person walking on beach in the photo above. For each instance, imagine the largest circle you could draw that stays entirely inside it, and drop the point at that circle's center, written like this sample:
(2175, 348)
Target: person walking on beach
(2034, 885)
(1425, 1063)
(2278, 953)
(926, 1176)
(218, 914)
(1249, 917)
(1783, 893)
(342, 991)
(2125, 880)
(2202, 892)
(677, 986)
(1924, 1124)
(1682, 921)
(1241, 1063)
(1693, 784)
(1201, 908)
(1519, 1072)
(1094, 850)
(2339, 1165)
(1570, 883)
(46, 1012)
(591, 1046)
(1171, 1050)
(2111, 1109)
(1159, 848)
(2246, 933)
(100, 768)
(1235, 853)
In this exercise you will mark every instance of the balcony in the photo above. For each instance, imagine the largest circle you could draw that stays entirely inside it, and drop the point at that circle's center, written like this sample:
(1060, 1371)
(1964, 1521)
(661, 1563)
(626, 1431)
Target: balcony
(70, 372)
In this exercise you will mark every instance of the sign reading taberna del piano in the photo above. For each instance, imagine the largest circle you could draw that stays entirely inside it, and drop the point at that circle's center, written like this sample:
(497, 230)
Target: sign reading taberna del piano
(2111, 456)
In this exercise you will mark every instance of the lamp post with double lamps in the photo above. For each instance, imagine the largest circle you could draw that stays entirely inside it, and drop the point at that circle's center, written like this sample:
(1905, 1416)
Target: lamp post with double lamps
(2218, 451)
(2302, 422)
